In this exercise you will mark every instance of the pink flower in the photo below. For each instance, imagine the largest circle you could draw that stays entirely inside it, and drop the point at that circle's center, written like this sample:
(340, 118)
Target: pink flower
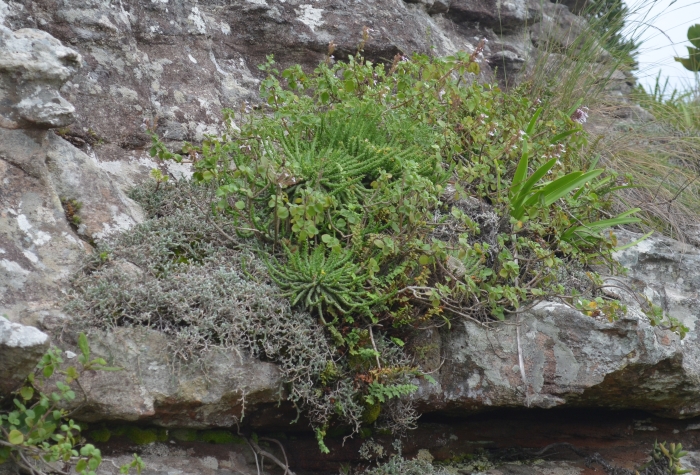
(580, 115)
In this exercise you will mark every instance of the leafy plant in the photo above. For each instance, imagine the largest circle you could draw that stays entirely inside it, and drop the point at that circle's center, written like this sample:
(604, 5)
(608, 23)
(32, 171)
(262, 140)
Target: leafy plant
(692, 62)
(320, 280)
(36, 433)
(668, 458)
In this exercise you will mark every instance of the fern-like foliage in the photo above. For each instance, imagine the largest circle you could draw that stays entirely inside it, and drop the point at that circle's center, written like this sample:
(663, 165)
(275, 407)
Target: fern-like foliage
(381, 393)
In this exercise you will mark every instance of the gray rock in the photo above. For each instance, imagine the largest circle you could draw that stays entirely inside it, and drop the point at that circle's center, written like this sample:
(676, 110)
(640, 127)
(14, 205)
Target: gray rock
(574, 360)
(501, 16)
(215, 391)
(21, 348)
(508, 61)
(45, 180)
(561, 29)
(570, 359)
(34, 65)
(439, 6)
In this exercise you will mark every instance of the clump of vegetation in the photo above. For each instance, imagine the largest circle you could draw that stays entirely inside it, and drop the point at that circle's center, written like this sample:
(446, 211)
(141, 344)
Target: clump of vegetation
(360, 202)
(355, 174)
(179, 273)
(36, 433)
(667, 458)
(71, 208)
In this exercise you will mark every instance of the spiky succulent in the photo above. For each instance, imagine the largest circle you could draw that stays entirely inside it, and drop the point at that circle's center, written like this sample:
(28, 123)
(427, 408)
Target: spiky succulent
(322, 280)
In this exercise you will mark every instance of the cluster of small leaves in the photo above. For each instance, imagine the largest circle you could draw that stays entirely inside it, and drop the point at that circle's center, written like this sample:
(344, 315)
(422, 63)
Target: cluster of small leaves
(36, 432)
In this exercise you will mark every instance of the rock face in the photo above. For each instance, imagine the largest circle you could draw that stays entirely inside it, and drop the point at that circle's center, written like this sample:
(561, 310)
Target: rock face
(570, 360)
(573, 360)
(501, 16)
(171, 66)
(21, 348)
(54, 196)
(34, 65)
(152, 387)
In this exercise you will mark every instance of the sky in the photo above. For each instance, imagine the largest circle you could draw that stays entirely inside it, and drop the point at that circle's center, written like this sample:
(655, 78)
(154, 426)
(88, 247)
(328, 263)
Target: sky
(662, 26)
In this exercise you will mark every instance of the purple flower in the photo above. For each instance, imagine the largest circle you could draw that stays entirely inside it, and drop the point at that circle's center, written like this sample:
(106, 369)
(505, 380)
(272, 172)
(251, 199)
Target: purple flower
(580, 115)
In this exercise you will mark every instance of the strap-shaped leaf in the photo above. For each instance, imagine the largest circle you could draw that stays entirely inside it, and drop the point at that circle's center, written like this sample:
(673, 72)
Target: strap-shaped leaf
(591, 229)
(559, 137)
(531, 126)
(517, 203)
(563, 186)
(520, 172)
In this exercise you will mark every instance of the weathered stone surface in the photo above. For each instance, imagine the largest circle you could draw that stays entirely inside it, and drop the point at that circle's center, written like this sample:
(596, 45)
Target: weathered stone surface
(570, 359)
(153, 387)
(33, 67)
(21, 348)
(573, 360)
(500, 15)
(45, 179)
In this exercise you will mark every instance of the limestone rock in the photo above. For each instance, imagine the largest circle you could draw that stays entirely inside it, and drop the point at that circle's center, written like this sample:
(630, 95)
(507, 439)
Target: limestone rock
(21, 348)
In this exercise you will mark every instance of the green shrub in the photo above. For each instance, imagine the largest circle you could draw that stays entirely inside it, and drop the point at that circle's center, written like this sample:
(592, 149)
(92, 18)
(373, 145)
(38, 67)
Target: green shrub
(352, 174)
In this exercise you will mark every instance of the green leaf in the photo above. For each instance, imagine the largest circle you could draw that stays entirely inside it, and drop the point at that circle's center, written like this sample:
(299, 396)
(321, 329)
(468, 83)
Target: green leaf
(47, 371)
(81, 465)
(517, 205)
(559, 137)
(15, 437)
(83, 344)
(71, 372)
(562, 186)
(473, 68)
(694, 35)
(520, 173)
(531, 126)
(398, 341)
(26, 392)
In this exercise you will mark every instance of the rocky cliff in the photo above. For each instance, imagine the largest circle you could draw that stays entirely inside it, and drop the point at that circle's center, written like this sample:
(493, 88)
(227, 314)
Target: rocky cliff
(82, 82)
